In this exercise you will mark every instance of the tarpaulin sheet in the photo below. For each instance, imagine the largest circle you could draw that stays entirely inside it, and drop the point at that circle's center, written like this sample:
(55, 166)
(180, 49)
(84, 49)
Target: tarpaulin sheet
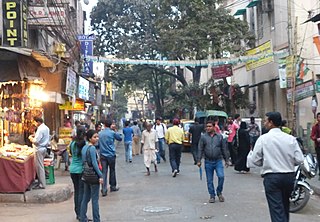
(16, 177)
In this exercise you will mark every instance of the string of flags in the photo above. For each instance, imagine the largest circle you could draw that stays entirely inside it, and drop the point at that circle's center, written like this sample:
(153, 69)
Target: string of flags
(202, 63)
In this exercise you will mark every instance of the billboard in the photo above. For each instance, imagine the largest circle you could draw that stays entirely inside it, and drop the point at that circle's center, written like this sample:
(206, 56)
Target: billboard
(14, 23)
(265, 48)
(220, 72)
(48, 16)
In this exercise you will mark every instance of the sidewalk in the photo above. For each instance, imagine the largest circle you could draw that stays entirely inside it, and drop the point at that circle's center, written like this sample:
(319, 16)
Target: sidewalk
(315, 184)
(62, 190)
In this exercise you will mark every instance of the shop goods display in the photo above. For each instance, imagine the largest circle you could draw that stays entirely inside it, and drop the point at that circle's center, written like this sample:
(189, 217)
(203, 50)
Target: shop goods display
(16, 152)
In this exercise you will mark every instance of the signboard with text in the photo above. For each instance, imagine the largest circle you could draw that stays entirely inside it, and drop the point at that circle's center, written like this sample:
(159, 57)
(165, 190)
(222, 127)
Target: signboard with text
(83, 88)
(302, 91)
(86, 49)
(14, 27)
(71, 84)
(49, 16)
(78, 105)
(265, 48)
(220, 72)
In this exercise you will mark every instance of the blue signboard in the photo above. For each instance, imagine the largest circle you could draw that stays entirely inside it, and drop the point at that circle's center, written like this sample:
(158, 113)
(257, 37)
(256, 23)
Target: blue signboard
(86, 48)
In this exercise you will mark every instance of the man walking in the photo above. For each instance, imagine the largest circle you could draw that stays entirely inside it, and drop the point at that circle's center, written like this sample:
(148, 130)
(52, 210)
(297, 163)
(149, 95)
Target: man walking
(128, 134)
(108, 155)
(41, 141)
(174, 137)
(161, 130)
(213, 149)
(278, 153)
(195, 131)
(254, 131)
(149, 141)
(136, 138)
(315, 136)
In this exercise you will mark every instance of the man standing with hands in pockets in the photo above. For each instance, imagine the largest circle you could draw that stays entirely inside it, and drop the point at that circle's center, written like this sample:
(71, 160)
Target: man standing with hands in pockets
(213, 149)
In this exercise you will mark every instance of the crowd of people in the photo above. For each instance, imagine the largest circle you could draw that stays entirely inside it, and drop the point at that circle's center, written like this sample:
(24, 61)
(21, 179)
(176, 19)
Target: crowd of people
(219, 145)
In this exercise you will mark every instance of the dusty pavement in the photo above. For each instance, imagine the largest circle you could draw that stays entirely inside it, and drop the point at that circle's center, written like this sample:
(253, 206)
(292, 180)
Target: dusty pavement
(160, 197)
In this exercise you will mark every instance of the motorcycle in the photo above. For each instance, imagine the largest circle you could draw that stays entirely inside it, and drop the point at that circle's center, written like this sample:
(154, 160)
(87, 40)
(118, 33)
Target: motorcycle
(302, 189)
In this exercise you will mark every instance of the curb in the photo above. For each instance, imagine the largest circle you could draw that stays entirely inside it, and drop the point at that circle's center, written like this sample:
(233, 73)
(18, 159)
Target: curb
(52, 194)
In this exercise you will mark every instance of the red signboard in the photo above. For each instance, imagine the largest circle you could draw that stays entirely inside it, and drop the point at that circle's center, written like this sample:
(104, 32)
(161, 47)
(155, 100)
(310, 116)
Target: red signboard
(220, 72)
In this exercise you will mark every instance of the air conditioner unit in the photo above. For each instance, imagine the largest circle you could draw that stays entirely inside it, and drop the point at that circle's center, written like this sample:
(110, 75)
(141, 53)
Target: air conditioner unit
(267, 6)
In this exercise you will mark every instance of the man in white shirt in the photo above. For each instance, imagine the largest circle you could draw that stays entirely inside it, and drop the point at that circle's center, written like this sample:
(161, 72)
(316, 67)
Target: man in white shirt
(41, 142)
(278, 153)
(149, 141)
(161, 130)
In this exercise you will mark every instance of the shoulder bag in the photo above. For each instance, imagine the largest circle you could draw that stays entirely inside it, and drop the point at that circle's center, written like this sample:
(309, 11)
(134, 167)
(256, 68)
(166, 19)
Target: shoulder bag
(89, 175)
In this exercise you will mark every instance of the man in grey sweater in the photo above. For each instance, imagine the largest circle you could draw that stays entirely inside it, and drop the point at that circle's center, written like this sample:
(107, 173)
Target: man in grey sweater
(212, 147)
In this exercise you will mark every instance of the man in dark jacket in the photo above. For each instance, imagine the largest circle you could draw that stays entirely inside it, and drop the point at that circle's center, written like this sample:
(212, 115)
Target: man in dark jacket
(315, 136)
(213, 149)
(195, 131)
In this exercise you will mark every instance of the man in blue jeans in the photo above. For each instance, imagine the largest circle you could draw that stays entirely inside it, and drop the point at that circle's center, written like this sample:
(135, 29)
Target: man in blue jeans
(128, 135)
(213, 149)
(161, 130)
(108, 155)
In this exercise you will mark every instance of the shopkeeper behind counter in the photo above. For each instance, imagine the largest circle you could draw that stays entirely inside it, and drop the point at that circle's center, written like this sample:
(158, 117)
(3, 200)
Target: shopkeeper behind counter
(41, 142)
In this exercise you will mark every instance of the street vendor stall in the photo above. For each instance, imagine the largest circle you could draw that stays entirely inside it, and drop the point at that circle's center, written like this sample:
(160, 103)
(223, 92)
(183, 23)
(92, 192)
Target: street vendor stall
(17, 168)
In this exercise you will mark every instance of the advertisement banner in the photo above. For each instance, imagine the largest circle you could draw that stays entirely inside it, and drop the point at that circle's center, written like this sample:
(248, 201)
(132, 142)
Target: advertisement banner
(282, 73)
(71, 84)
(14, 27)
(220, 72)
(265, 48)
(48, 16)
(83, 88)
(78, 105)
(302, 91)
(289, 66)
(86, 49)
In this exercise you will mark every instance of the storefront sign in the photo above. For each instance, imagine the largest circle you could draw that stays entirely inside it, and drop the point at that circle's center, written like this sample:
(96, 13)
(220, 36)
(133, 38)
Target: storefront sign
(83, 88)
(265, 48)
(49, 16)
(71, 84)
(86, 49)
(86, 37)
(78, 105)
(65, 133)
(15, 27)
(220, 72)
(302, 91)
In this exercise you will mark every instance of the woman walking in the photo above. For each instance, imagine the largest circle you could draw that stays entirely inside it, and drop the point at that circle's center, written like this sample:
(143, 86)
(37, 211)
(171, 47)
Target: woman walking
(243, 142)
(76, 168)
(91, 190)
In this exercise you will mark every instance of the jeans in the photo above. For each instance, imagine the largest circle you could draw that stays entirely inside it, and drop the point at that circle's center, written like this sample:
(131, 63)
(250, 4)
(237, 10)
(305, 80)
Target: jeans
(128, 149)
(162, 150)
(210, 167)
(108, 162)
(78, 192)
(40, 154)
(278, 188)
(91, 191)
(175, 156)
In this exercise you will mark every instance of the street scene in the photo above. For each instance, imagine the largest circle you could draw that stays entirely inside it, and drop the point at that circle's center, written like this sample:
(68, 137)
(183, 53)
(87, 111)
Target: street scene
(160, 197)
(159, 110)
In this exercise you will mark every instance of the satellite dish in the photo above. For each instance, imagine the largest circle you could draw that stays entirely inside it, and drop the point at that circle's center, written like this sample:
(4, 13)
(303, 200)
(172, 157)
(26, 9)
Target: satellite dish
(86, 2)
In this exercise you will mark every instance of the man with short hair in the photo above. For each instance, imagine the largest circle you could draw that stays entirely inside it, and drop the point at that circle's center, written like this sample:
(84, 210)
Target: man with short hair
(161, 130)
(254, 131)
(174, 137)
(136, 138)
(128, 134)
(108, 155)
(149, 141)
(195, 130)
(41, 142)
(277, 153)
(213, 149)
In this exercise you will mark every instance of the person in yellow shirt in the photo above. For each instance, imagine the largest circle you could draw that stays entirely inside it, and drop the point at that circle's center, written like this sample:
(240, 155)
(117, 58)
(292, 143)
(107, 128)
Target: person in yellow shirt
(174, 137)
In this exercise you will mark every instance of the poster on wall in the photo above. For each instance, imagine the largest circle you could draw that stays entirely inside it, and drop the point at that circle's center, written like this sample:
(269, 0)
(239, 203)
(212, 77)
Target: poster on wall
(83, 88)
(282, 73)
(71, 84)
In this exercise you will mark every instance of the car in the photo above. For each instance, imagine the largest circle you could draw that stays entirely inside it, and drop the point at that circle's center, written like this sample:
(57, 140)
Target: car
(185, 124)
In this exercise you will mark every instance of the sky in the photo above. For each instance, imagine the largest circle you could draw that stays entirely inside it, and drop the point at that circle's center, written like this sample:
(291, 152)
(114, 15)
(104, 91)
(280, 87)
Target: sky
(88, 9)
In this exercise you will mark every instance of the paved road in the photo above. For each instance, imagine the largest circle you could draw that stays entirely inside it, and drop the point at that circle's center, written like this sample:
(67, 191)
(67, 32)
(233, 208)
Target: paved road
(161, 198)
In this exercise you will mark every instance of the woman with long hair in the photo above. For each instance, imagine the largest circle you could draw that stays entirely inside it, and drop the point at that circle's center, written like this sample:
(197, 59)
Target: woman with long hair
(91, 191)
(76, 168)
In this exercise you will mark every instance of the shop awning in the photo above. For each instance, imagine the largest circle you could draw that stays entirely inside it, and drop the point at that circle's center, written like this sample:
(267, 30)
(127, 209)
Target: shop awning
(44, 61)
(253, 3)
(240, 12)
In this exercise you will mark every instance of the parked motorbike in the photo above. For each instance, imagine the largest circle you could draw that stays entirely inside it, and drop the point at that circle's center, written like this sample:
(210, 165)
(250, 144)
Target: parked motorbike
(302, 189)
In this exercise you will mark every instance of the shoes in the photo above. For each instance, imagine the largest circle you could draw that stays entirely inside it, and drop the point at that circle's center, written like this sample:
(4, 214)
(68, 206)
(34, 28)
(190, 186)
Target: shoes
(103, 193)
(178, 172)
(174, 174)
(212, 200)
(38, 187)
(115, 189)
(221, 198)
(130, 161)
(155, 168)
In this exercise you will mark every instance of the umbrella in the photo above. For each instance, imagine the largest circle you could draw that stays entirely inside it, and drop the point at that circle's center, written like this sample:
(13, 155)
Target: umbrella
(315, 18)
